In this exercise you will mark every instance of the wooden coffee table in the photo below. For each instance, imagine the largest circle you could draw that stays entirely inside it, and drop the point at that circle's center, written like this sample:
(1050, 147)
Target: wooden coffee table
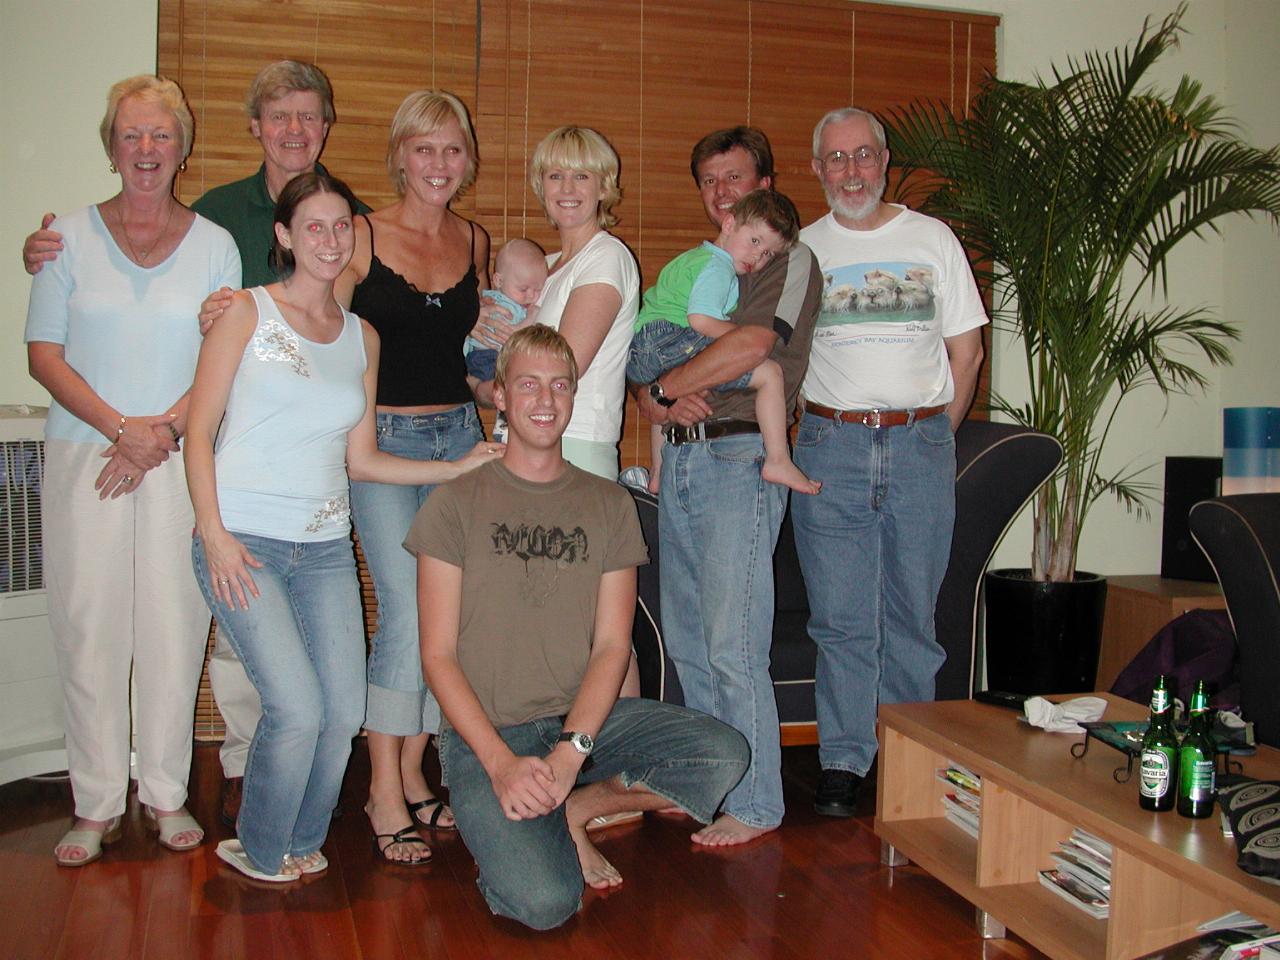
(1168, 873)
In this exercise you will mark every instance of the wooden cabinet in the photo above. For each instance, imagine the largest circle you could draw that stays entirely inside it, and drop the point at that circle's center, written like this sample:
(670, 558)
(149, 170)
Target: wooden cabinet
(1137, 607)
(1169, 874)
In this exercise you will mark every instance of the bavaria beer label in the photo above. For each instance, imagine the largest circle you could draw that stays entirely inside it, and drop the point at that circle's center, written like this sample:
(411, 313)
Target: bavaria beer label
(1156, 765)
(1159, 700)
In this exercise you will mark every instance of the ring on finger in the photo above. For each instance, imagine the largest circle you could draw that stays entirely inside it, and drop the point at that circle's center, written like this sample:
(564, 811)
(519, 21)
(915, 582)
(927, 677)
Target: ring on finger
(224, 580)
(128, 479)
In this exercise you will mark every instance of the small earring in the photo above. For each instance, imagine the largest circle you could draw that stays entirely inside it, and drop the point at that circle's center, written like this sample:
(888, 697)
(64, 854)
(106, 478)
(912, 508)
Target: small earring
(112, 167)
(182, 167)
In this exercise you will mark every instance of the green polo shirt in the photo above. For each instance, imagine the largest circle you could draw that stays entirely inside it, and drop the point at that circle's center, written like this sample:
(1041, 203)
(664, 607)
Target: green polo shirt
(246, 211)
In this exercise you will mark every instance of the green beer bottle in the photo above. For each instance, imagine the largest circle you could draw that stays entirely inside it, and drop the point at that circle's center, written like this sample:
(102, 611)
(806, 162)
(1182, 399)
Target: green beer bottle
(1158, 778)
(1196, 764)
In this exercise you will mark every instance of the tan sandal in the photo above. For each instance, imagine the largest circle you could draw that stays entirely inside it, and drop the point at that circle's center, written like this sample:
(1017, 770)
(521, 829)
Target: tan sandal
(90, 841)
(170, 826)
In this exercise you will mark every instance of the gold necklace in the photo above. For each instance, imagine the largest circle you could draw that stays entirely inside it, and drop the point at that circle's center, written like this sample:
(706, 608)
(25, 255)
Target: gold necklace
(141, 259)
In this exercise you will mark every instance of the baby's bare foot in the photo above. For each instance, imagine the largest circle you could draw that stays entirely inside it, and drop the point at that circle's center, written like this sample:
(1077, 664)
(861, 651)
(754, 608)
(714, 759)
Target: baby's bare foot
(785, 472)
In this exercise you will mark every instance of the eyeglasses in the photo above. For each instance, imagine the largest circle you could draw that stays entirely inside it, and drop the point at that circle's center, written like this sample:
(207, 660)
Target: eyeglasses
(837, 161)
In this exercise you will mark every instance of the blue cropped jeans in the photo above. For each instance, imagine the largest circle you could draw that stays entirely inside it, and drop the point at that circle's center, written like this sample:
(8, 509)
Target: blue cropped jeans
(399, 702)
(302, 645)
(873, 547)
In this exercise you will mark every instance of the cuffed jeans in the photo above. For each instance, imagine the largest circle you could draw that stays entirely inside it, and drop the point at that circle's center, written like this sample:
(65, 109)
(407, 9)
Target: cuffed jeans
(718, 523)
(529, 869)
(399, 702)
(302, 644)
(873, 547)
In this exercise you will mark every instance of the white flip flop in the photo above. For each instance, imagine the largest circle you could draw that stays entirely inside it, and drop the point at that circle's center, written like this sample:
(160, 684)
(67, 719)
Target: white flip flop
(232, 852)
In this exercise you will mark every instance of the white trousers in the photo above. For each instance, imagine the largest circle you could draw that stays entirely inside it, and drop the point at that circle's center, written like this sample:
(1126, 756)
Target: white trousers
(122, 595)
(238, 702)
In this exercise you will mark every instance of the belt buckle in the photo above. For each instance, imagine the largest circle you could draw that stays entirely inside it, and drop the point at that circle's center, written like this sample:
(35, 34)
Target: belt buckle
(678, 433)
(871, 419)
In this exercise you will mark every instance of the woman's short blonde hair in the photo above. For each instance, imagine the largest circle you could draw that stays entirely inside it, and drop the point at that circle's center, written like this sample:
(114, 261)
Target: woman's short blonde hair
(579, 148)
(424, 112)
(149, 89)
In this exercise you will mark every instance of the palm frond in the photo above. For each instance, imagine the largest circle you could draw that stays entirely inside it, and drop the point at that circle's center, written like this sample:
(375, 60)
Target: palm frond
(1070, 194)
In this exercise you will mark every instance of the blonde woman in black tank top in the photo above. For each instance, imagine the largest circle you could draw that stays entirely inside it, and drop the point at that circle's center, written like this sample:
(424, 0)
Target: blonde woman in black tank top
(415, 276)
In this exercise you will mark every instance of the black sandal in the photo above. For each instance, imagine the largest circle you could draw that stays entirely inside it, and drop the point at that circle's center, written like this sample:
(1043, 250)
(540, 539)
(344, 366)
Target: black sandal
(437, 807)
(403, 835)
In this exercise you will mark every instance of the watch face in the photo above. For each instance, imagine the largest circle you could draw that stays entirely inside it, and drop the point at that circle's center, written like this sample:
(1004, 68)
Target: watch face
(585, 743)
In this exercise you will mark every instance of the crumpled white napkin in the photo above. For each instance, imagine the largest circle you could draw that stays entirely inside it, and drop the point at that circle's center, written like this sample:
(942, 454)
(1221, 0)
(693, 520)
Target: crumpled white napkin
(1063, 717)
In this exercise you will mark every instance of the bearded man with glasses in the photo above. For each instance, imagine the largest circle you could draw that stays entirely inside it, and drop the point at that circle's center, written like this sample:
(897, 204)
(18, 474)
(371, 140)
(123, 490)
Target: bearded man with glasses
(892, 371)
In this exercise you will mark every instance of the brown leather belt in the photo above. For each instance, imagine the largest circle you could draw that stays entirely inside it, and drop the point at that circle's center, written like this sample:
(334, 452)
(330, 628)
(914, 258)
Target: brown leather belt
(873, 418)
(708, 430)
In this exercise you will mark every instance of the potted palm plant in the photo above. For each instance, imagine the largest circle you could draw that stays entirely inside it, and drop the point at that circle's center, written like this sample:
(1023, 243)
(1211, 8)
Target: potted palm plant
(1070, 196)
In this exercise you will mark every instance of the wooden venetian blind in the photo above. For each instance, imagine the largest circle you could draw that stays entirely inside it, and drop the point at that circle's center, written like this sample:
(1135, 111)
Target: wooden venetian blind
(652, 75)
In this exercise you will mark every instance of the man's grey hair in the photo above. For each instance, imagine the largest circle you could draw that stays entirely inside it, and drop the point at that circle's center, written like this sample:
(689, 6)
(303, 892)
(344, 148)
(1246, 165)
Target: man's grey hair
(848, 113)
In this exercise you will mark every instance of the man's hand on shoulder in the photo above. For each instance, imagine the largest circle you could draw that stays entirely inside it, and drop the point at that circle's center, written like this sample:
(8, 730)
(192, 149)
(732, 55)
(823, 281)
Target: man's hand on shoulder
(522, 786)
(214, 306)
(41, 246)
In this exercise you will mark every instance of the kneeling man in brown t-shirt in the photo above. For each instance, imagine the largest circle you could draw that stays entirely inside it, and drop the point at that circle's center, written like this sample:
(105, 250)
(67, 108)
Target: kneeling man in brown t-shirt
(536, 741)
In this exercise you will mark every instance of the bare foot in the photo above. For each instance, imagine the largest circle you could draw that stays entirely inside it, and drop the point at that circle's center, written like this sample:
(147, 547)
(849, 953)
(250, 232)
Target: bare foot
(388, 821)
(728, 831)
(785, 472)
(597, 872)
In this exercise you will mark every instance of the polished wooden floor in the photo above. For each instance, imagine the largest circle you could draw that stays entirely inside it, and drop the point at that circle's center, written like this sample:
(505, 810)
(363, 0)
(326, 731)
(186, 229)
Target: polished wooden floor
(814, 889)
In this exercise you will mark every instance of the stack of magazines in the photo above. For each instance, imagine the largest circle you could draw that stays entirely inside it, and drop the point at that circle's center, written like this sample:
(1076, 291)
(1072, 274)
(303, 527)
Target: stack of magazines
(1234, 936)
(963, 800)
(1082, 873)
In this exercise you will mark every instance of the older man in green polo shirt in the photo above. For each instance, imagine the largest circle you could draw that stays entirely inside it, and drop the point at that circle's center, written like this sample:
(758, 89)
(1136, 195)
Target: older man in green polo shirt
(290, 109)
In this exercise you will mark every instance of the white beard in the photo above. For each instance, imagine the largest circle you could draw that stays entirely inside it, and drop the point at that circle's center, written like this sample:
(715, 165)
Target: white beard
(858, 209)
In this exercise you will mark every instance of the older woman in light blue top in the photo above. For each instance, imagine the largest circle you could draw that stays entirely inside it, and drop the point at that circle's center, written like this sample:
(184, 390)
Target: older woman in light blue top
(111, 334)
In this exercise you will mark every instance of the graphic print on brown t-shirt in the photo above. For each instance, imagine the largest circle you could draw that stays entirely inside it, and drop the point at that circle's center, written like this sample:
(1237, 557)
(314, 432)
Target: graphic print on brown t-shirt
(545, 550)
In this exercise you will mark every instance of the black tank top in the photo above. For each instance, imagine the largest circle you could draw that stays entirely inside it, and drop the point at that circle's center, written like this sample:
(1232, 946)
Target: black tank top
(422, 333)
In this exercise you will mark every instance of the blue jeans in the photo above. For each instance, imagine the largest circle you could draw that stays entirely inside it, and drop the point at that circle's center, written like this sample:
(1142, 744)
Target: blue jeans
(529, 869)
(399, 702)
(302, 645)
(718, 522)
(873, 547)
(660, 345)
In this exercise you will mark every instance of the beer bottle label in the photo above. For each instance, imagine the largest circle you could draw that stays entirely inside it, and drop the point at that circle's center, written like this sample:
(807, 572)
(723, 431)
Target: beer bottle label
(1156, 766)
(1200, 780)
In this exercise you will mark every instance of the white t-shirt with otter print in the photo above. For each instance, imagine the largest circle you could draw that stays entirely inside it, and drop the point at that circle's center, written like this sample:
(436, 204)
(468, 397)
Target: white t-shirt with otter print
(890, 298)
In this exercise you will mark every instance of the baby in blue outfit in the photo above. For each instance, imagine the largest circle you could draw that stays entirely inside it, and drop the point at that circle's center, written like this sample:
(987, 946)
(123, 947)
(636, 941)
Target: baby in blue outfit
(519, 272)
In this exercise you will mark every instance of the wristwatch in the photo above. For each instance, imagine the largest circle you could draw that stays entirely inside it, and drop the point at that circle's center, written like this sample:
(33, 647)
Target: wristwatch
(655, 391)
(582, 742)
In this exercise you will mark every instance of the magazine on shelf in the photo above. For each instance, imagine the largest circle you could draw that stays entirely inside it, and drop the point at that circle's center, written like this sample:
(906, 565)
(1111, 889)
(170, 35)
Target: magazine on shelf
(1074, 868)
(1076, 893)
(961, 778)
(1085, 858)
(1094, 845)
(961, 815)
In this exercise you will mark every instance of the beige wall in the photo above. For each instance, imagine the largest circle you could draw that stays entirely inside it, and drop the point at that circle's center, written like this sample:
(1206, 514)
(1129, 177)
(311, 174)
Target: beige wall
(58, 58)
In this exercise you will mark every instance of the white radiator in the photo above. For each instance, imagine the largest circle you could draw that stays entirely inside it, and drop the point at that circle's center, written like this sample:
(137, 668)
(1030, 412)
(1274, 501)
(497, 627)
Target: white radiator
(31, 731)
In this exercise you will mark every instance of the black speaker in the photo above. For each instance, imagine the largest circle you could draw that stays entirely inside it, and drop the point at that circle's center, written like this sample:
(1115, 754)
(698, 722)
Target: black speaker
(1187, 481)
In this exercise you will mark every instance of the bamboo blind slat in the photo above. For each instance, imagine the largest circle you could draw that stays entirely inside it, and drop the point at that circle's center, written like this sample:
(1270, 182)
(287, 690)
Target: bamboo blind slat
(652, 75)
